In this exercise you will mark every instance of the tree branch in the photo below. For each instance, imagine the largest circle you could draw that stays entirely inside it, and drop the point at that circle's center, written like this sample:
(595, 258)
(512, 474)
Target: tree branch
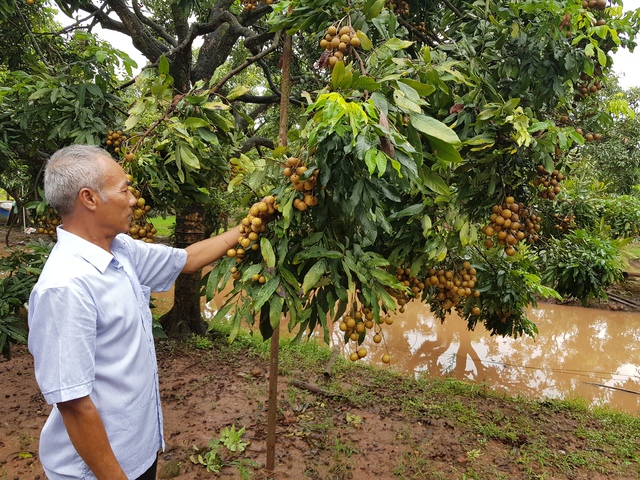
(451, 7)
(267, 74)
(255, 142)
(104, 19)
(78, 23)
(142, 39)
(34, 42)
(249, 61)
(153, 25)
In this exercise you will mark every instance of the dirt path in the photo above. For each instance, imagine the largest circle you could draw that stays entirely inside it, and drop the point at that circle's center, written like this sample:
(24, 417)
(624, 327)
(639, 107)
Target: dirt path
(205, 392)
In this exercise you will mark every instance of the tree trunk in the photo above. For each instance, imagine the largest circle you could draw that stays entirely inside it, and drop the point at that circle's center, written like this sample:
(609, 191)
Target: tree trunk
(185, 317)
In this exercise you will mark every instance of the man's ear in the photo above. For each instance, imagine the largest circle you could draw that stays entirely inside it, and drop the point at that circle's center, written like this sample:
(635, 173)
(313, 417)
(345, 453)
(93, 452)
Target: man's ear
(88, 198)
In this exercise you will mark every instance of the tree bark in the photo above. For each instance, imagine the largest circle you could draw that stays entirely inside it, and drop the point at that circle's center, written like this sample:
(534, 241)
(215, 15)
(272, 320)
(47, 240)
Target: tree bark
(185, 317)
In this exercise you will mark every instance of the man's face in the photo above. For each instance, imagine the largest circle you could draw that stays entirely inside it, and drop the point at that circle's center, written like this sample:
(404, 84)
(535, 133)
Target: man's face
(115, 214)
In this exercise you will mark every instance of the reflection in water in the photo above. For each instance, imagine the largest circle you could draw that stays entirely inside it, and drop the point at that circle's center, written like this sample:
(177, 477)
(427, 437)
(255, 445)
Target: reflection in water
(579, 352)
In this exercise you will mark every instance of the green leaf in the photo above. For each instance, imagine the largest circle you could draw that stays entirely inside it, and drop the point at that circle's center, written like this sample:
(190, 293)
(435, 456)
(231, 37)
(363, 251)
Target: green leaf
(365, 43)
(385, 278)
(315, 252)
(373, 8)
(464, 234)
(236, 323)
(396, 44)
(237, 92)
(163, 65)
(267, 252)
(195, 122)
(265, 292)
(434, 128)
(275, 311)
(186, 156)
(215, 106)
(337, 75)
(314, 274)
(409, 211)
(434, 182)
(405, 103)
(131, 122)
(221, 315)
(426, 225)
(445, 151)
(422, 88)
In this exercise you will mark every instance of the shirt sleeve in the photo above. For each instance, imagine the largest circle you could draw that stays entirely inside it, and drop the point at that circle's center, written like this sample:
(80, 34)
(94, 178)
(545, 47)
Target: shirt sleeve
(62, 339)
(157, 266)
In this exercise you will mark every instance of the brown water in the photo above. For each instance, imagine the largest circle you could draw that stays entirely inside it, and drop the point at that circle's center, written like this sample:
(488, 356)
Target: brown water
(588, 353)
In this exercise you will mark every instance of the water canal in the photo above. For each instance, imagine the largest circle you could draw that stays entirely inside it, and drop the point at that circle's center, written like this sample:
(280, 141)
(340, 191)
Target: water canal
(579, 352)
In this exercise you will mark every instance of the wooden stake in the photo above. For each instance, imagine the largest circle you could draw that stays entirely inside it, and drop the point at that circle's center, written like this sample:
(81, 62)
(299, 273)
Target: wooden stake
(272, 414)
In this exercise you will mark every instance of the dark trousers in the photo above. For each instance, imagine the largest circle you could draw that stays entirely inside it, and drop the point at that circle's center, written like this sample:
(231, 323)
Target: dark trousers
(151, 473)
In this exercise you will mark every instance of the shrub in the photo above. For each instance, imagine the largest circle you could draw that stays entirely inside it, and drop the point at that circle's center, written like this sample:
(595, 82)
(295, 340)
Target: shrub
(582, 265)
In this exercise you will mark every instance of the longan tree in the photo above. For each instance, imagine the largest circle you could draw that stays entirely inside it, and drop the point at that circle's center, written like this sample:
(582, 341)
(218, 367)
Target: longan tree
(424, 165)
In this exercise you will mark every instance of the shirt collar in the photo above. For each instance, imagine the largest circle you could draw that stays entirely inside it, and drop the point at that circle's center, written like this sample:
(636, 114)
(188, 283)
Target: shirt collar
(90, 252)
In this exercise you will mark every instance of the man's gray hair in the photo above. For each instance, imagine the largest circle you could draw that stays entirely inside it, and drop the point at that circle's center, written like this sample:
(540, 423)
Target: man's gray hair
(71, 169)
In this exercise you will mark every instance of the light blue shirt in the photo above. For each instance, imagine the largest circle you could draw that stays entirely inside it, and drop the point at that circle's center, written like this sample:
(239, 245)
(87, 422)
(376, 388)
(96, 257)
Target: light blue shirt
(90, 334)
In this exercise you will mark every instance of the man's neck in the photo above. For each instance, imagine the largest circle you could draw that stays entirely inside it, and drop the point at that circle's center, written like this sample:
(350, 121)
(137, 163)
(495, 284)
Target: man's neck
(88, 231)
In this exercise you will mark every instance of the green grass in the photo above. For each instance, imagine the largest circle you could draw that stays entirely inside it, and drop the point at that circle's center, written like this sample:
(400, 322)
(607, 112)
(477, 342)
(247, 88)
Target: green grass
(164, 226)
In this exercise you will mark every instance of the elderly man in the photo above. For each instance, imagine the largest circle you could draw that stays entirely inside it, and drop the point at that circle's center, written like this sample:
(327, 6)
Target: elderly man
(90, 323)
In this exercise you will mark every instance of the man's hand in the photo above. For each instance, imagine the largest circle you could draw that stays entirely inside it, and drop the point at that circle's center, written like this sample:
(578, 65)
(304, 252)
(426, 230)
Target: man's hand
(89, 438)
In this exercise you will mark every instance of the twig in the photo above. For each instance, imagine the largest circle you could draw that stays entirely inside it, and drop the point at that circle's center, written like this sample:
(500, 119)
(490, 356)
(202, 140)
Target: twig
(313, 388)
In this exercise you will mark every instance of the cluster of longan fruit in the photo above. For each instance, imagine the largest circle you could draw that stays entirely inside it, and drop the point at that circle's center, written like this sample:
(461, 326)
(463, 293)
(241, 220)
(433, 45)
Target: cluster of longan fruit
(548, 184)
(410, 281)
(140, 227)
(115, 139)
(594, 4)
(359, 323)
(420, 27)
(253, 4)
(565, 222)
(399, 7)
(510, 223)
(296, 171)
(336, 43)
(250, 229)
(585, 88)
(47, 223)
(452, 285)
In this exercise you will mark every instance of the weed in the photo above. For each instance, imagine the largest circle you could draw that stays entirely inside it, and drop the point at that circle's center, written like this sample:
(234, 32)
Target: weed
(201, 342)
(25, 441)
(403, 434)
(341, 448)
(223, 452)
(474, 454)
(414, 466)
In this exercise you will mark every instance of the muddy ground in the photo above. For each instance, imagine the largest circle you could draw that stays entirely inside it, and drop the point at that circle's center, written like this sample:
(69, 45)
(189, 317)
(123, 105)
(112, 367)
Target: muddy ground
(318, 436)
